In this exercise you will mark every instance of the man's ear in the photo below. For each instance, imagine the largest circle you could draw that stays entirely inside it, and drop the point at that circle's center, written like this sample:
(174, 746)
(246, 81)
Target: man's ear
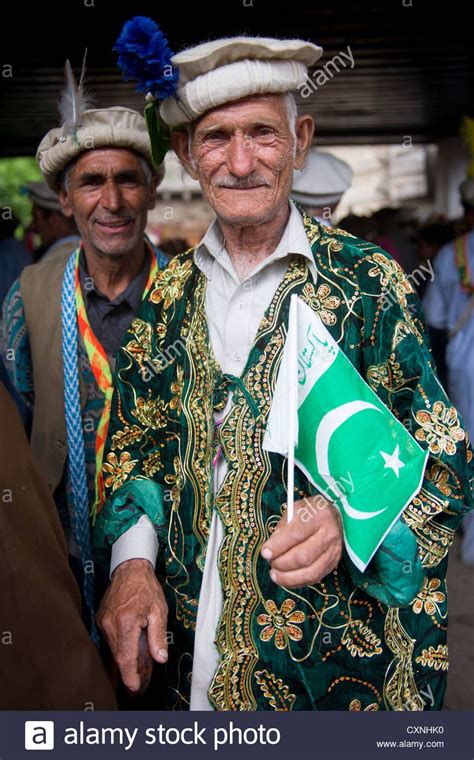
(180, 145)
(304, 139)
(66, 207)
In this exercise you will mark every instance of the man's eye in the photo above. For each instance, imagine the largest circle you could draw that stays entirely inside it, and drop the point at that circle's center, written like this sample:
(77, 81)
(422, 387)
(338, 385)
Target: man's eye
(92, 182)
(263, 133)
(215, 137)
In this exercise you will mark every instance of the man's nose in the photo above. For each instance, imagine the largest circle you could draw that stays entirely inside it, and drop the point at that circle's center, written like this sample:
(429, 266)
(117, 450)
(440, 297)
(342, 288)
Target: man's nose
(240, 156)
(111, 198)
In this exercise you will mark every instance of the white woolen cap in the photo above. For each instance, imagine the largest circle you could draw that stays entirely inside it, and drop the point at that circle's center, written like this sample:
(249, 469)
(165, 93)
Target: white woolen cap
(230, 69)
(99, 128)
(322, 181)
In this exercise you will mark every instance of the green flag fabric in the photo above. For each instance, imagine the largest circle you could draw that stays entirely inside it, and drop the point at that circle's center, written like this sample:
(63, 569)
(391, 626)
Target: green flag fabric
(350, 446)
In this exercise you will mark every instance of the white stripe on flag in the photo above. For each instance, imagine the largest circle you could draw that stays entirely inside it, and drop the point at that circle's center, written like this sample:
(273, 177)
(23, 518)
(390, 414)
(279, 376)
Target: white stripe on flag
(292, 339)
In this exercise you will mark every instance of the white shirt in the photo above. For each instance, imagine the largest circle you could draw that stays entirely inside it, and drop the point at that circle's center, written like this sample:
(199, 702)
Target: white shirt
(234, 310)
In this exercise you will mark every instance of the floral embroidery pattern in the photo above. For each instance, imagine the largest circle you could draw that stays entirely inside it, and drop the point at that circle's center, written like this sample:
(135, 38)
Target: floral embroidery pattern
(140, 346)
(169, 282)
(356, 706)
(281, 623)
(391, 273)
(150, 412)
(126, 437)
(278, 693)
(118, 470)
(439, 476)
(360, 640)
(434, 658)
(152, 464)
(440, 428)
(321, 302)
(176, 388)
(429, 597)
(388, 374)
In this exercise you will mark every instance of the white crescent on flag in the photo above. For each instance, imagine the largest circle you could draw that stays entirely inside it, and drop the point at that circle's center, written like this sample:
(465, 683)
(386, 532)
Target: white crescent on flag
(326, 429)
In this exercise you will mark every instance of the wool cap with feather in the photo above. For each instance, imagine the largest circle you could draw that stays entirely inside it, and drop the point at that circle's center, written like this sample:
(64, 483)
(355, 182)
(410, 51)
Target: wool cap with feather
(182, 87)
(96, 128)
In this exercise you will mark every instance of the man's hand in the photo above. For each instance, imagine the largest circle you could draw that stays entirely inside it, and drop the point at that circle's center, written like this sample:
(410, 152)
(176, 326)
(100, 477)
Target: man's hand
(304, 551)
(133, 601)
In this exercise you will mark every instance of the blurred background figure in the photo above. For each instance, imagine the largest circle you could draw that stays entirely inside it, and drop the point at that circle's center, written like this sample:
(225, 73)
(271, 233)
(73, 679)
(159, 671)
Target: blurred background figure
(429, 239)
(58, 233)
(391, 234)
(449, 306)
(320, 184)
(359, 226)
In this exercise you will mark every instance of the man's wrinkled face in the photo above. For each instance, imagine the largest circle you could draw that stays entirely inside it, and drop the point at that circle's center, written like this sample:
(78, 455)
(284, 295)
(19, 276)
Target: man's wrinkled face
(109, 196)
(243, 156)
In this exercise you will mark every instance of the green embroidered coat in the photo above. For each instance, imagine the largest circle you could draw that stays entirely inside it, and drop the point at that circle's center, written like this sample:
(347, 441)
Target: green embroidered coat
(343, 643)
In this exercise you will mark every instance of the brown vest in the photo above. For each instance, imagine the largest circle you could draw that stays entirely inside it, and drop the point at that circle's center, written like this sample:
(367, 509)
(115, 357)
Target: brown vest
(40, 286)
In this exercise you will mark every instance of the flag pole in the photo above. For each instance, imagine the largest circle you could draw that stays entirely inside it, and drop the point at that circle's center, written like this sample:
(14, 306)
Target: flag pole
(292, 338)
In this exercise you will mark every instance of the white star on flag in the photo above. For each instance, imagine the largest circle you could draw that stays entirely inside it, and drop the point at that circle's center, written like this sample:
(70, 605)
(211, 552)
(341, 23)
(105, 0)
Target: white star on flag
(393, 461)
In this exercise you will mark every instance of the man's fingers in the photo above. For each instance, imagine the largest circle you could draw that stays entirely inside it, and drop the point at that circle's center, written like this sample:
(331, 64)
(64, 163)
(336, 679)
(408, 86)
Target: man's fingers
(287, 536)
(157, 639)
(125, 653)
(307, 576)
(304, 554)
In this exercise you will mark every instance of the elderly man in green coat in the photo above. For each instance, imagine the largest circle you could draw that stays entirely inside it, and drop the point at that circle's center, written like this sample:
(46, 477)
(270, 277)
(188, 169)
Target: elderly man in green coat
(244, 610)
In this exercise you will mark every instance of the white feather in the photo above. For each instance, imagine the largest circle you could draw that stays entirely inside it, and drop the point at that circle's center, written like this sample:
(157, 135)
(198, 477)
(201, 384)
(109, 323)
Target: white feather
(73, 100)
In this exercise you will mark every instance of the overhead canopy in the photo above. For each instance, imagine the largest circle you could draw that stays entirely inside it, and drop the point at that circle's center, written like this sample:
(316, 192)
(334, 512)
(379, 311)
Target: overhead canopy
(411, 73)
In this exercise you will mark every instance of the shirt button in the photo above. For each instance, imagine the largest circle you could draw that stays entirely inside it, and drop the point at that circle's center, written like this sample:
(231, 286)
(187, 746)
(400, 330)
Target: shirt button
(241, 305)
(237, 357)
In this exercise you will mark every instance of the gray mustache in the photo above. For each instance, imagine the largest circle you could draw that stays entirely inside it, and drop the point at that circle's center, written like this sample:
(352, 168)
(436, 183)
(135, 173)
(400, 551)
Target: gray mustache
(242, 183)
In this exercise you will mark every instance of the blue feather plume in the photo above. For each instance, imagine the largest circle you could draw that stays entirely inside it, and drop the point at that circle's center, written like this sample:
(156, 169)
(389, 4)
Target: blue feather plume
(145, 57)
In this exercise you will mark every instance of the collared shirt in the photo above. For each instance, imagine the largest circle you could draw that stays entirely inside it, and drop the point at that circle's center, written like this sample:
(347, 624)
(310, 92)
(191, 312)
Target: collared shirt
(111, 318)
(234, 310)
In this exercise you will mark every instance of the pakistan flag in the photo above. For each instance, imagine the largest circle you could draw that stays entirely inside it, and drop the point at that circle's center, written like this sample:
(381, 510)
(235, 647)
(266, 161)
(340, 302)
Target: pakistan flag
(350, 446)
